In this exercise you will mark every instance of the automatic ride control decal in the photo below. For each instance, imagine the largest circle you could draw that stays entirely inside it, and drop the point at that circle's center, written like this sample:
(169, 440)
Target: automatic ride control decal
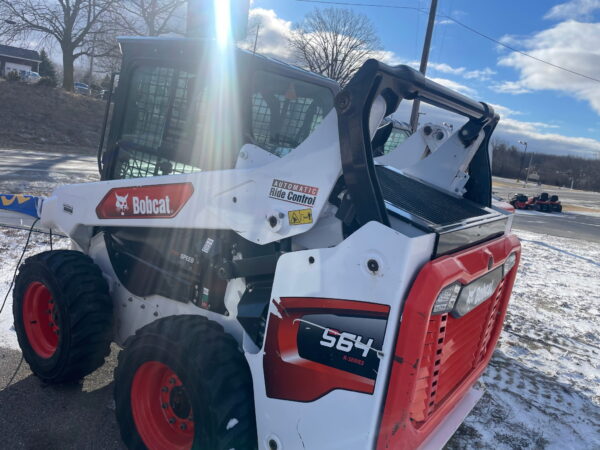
(299, 194)
(144, 202)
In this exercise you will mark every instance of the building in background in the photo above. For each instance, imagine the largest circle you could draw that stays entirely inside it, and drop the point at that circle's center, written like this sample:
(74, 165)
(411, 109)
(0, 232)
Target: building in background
(18, 59)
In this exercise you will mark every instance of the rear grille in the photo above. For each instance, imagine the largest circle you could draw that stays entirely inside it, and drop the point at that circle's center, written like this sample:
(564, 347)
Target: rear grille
(424, 201)
(453, 349)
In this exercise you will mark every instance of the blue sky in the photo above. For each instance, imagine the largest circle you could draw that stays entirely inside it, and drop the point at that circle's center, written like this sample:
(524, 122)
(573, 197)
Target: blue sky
(554, 111)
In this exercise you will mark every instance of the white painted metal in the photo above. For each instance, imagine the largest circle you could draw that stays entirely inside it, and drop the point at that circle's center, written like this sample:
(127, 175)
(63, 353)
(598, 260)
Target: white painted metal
(341, 419)
(235, 199)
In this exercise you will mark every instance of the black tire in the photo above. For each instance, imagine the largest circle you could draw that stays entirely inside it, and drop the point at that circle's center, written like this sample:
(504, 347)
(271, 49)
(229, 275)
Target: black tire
(80, 315)
(206, 365)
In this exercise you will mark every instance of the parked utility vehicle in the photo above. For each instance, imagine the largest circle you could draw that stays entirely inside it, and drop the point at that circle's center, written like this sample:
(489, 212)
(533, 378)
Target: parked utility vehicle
(271, 282)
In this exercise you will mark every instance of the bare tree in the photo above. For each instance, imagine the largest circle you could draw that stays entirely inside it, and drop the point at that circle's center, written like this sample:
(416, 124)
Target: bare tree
(72, 23)
(150, 17)
(334, 42)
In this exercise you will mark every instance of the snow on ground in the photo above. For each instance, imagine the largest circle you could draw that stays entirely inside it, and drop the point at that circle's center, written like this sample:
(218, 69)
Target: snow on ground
(543, 383)
(11, 246)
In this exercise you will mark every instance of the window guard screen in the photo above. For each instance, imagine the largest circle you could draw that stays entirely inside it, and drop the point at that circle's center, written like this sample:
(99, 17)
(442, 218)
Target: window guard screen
(285, 111)
(157, 137)
(397, 136)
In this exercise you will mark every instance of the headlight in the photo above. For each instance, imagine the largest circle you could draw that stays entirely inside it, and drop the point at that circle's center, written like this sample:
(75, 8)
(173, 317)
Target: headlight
(510, 262)
(446, 299)
(476, 292)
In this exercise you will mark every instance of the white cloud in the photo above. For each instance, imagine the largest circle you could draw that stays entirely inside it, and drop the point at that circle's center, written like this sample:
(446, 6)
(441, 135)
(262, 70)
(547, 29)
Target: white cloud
(510, 87)
(272, 35)
(480, 75)
(505, 111)
(455, 86)
(574, 9)
(569, 44)
(446, 68)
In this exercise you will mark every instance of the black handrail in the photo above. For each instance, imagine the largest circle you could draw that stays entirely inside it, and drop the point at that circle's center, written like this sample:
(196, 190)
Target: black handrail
(353, 105)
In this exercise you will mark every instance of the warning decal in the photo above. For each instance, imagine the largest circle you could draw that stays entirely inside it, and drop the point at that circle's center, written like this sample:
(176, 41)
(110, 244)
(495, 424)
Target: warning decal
(300, 216)
(294, 192)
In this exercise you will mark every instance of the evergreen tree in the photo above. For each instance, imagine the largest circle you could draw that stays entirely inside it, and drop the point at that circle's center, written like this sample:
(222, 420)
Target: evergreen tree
(47, 68)
(105, 82)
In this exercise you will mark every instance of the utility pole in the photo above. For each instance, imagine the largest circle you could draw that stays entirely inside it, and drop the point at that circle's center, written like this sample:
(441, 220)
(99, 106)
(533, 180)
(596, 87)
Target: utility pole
(256, 38)
(529, 168)
(414, 117)
(524, 143)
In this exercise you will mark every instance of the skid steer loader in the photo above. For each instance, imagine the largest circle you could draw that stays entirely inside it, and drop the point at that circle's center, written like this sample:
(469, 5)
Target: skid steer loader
(272, 282)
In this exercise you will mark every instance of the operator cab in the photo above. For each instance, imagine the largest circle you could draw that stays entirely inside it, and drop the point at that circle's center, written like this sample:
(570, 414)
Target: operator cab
(181, 107)
(170, 107)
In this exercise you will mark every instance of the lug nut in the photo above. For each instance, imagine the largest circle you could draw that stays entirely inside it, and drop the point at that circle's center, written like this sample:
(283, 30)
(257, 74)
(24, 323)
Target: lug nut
(164, 389)
(183, 426)
(164, 406)
(172, 380)
(171, 420)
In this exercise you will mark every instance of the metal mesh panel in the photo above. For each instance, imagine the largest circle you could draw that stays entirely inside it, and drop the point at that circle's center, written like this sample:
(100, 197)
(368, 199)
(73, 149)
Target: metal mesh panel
(147, 106)
(157, 139)
(396, 137)
(261, 120)
(285, 112)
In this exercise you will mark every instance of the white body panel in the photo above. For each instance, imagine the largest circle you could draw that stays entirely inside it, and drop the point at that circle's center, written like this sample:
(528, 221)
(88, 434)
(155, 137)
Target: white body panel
(340, 419)
(441, 163)
(227, 199)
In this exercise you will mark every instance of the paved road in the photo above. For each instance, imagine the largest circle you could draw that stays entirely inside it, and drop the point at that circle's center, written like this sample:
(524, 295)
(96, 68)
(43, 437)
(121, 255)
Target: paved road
(568, 225)
(29, 172)
(505, 188)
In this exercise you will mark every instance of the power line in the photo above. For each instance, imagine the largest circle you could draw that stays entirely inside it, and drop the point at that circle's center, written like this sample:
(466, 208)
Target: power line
(461, 24)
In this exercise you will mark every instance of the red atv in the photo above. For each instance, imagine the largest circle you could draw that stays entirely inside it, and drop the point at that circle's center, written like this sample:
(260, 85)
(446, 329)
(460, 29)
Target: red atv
(520, 201)
(555, 204)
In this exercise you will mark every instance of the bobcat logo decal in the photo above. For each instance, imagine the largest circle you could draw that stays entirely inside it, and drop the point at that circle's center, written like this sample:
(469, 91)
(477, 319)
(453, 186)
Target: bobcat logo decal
(121, 203)
(154, 201)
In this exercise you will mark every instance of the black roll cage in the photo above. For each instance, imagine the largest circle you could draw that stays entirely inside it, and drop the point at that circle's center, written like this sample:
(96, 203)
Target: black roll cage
(353, 105)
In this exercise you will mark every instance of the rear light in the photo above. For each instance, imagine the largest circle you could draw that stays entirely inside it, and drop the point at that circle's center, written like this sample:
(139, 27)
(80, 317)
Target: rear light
(510, 262)
(446, 299)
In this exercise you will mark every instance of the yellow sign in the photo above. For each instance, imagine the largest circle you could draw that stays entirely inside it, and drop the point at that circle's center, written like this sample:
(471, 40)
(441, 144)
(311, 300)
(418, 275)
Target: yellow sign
(9, 199)
(300, 216)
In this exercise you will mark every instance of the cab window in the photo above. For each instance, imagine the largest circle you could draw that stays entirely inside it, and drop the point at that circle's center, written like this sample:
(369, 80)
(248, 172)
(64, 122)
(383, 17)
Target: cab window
(156, 138)
(285, 111)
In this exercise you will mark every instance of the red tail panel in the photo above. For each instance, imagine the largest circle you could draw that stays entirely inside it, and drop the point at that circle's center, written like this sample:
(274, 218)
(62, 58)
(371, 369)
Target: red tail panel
(438, 358)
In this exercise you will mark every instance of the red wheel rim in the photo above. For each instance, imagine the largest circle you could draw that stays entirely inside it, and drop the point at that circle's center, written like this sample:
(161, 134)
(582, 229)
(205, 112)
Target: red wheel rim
(40, 319)
(161, 408)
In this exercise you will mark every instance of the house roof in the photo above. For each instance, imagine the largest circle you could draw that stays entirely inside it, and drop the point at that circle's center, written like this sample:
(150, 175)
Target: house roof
(20, 53)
